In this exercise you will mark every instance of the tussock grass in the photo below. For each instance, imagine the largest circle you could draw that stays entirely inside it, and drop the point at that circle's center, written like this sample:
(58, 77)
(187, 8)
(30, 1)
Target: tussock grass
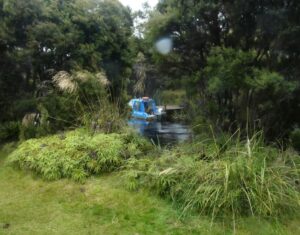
(234, 178)
(77, 154)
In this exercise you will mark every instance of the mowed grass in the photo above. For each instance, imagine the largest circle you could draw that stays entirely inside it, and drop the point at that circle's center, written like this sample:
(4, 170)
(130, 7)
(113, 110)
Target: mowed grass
(102, 205)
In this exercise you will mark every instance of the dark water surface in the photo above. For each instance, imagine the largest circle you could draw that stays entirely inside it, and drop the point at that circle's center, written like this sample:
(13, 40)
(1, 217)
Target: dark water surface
(162, 133)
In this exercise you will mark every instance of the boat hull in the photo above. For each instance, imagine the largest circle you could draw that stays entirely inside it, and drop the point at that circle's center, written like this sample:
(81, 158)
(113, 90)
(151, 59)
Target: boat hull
(143, 116)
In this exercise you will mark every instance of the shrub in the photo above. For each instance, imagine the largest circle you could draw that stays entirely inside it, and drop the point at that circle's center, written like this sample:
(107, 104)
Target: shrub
(22, 106)
(245, 178)
(171, 97)
(75, 154)
(32, 131)
(235, 94)
(89, 102)
(107, 119)
(36, 128)
(9, 131)
(295, 138)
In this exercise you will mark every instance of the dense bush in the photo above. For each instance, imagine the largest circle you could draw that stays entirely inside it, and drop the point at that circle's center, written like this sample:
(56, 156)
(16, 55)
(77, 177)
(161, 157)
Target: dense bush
(9, 131)
(77, 154)
(73, 37)
(107, 119)
(87, 101)
(295, 138)
(76, 99)
(21, 107)
(233, 178)
(176, 97)
(32, 131)
(234, 93)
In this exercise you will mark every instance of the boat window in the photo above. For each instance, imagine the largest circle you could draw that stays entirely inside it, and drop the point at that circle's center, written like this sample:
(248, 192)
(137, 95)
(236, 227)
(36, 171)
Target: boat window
(146, 106)
(150, 103)
(136, 106)
(149, 107)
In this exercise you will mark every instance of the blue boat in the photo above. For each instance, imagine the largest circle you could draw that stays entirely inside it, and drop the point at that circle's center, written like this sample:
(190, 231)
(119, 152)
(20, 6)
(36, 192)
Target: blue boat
(145, 108)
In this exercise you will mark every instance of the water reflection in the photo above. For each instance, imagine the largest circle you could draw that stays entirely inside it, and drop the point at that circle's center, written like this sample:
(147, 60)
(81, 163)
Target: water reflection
(163, 133)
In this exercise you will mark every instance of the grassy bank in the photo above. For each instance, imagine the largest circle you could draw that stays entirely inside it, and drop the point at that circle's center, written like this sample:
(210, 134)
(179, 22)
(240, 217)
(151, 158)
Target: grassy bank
(29, 205)
(102, 205)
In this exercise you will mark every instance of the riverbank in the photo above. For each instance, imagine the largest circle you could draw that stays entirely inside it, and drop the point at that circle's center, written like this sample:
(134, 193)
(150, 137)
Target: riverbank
(29, 205)
(102, 205)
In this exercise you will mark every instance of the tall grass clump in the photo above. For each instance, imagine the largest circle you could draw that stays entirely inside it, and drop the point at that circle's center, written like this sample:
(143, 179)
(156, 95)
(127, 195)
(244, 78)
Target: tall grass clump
(95, 107)
(72, 100)
(76, 154)
(237, 178)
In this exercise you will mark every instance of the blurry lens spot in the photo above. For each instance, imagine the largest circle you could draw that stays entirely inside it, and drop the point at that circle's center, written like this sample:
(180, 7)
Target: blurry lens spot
(164, 45)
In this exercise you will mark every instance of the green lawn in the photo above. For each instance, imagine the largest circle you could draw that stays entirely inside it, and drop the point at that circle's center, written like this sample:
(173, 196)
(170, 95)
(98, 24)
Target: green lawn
(29, 205)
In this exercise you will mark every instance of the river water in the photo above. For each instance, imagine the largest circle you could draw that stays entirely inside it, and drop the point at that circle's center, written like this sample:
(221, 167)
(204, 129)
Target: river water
(162, 133)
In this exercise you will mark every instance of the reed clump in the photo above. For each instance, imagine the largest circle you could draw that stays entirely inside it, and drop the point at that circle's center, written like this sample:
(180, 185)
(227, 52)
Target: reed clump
(235, 178)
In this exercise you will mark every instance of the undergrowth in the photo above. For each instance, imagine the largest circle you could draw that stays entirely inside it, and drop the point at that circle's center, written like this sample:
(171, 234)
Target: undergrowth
(77, 154)
(219, 177)
(227, 178)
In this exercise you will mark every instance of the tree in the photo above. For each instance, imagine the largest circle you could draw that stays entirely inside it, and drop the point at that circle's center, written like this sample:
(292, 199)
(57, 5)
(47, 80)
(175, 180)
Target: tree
(236, 94)
(39, 38)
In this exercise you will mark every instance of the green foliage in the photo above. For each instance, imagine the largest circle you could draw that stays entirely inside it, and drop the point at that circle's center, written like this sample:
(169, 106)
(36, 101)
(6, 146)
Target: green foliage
(107, 119)
(236, 94)
(295, 138)
(21, 107)
(28, 132)
(223, 178)
(76, 154)
(238, 60)
(28, 203)
(270, 28)
(176, 97)
(34, 131)
(75, 99)
(60, 111)
(136, 145)
(9, 131)
(40, 38)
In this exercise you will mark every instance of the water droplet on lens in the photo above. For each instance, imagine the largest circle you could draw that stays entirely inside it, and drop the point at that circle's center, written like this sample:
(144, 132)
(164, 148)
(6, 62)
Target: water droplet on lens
(164, 45)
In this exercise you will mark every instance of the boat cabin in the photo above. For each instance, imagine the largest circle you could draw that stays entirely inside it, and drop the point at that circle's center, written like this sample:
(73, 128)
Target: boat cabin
(143, 108)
